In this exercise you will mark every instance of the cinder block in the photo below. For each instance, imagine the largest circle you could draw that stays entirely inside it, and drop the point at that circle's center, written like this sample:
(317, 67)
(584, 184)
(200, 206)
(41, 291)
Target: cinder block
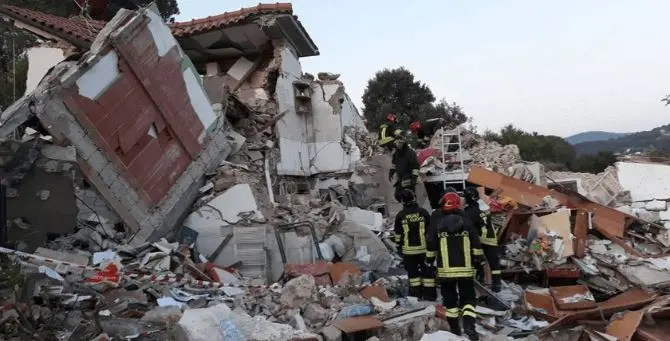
(123, 192)
(74, 131)
(205, 157)
(98, 161)
(109, 175)
(138, 212)
(221, 139)
(214, 153)
(84, 149)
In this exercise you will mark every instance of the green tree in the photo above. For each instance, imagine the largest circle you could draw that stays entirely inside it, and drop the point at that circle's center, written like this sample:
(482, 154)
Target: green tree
(594, 163)
(14, 42)
(395, 90)
(553, 151)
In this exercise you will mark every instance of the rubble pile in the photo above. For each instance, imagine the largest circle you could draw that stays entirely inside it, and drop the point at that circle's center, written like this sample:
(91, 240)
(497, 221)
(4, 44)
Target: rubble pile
(251, 206)
(478, 152)
(365, 140)
(603, 188)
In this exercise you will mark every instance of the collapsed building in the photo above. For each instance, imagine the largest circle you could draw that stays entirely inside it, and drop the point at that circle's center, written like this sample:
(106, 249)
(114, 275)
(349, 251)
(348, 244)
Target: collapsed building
(152, 109)
(191, 181)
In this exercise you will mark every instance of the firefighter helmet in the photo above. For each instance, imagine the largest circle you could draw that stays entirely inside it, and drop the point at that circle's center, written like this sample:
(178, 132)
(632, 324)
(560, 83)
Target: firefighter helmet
(407, 196)
(392, 117)
(415, 126)
(451, 201)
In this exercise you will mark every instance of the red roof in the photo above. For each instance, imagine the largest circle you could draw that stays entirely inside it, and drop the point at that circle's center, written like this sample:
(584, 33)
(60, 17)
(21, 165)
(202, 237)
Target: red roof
(187, 28)
(75, 27)
(86, 30)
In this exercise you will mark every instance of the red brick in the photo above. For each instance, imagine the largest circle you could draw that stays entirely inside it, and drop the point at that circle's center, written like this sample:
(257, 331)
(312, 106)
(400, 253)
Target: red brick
(132, 131)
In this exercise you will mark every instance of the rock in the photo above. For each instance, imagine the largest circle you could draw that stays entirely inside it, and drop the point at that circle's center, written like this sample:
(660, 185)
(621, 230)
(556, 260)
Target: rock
(167, 315)
(298, 291)
(315, 313)
(258, 328)
(331, 333)
(223, 184)
(202, 324)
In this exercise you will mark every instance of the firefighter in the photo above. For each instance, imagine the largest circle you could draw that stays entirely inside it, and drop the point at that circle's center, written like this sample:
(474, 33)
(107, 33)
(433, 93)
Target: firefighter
(455, 246)
(424, 131)
(388, 130)
(404, 166)
(410, 237)
(488, 236)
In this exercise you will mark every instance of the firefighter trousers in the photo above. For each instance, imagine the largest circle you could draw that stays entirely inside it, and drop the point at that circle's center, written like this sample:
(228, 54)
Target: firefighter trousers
(415, 265)
(492, 254)
(459, 299)
(428, 280)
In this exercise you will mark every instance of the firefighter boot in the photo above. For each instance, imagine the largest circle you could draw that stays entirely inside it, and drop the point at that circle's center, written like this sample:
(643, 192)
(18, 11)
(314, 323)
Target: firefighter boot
(496, 285)
(454, 326)
(469, 328)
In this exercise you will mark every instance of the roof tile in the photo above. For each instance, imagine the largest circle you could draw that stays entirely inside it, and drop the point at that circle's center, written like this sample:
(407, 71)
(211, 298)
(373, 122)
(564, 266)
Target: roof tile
(228, 18)
(75, 27)
(86, 30)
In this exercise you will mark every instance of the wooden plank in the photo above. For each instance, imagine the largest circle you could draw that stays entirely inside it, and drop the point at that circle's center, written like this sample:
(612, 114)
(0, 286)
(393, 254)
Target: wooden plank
(581, 232)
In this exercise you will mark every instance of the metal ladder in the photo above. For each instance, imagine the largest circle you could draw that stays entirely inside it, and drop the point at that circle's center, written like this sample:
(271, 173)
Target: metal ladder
(447, 136)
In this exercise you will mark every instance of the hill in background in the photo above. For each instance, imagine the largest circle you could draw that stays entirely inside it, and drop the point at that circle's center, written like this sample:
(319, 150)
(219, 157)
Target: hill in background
(592, 136)
(656, 141)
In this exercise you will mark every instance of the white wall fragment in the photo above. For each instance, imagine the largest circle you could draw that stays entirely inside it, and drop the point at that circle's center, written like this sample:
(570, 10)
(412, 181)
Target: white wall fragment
(645, 181)
(199, 100)
(161, 33)
(40, 60)
(241, 67)
(656, 205)
(313, 143)
(100, 76)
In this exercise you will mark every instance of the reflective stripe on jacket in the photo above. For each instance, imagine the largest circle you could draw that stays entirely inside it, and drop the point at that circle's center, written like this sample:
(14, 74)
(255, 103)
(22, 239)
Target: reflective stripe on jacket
(410, 230)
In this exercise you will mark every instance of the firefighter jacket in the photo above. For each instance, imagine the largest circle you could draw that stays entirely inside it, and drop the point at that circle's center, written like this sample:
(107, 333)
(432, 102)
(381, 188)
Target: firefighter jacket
(482, 222)
(387, 133)
(406, 166)
(453, 243)
(410, 228)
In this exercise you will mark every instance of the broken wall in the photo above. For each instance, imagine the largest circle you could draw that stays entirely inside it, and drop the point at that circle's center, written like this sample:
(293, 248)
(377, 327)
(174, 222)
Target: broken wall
(40, 192)
(313, 143)
(137, 114)
(40, 60)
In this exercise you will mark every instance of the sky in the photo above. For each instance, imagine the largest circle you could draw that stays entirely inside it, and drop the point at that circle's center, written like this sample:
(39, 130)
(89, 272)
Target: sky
(554, 67)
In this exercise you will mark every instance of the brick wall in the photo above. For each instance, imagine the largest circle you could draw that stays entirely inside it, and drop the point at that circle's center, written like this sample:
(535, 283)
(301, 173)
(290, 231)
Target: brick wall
(137, 140)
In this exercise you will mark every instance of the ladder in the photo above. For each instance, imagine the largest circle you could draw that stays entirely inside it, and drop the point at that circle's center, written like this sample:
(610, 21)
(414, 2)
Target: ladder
(448, 138)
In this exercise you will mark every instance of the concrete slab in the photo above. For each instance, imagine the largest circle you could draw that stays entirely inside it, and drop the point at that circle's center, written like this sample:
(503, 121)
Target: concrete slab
(212, 221)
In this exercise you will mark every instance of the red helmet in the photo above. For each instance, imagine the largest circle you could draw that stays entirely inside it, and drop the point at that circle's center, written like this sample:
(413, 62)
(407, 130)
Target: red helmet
(392, 117)
(415, 126)
(451, 201)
